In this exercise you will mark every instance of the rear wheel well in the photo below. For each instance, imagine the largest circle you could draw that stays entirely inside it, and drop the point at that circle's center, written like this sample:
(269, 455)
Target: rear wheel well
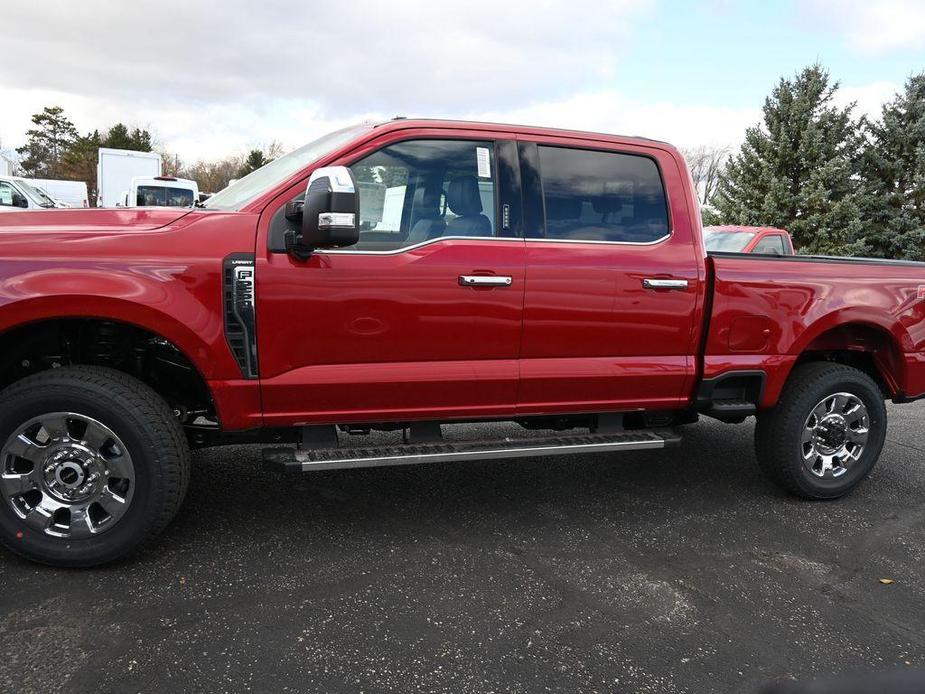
(149, 357)
(863, 347)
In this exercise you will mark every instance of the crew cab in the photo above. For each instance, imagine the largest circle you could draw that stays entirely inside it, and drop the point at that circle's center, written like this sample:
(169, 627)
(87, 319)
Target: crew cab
(405, 277)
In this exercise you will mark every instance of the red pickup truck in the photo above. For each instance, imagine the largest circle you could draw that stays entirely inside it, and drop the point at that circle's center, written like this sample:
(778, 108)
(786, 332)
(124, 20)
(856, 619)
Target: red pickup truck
(408, 276)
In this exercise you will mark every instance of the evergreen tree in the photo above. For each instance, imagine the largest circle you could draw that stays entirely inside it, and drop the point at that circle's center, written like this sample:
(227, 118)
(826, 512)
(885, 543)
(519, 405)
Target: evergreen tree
(254, 160)
(48, 141)
(120, 137)
(893, 173)
(79, 162)
(798, 170)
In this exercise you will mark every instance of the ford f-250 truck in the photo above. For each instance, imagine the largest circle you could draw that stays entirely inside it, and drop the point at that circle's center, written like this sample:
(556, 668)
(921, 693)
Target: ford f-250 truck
(407, 276)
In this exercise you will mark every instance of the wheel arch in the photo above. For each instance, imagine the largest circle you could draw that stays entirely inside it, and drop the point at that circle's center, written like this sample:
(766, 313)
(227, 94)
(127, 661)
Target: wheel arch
(151, 355)
(864, 340)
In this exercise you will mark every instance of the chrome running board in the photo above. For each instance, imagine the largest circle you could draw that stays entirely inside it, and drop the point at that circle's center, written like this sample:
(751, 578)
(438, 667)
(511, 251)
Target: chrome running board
(410, 454)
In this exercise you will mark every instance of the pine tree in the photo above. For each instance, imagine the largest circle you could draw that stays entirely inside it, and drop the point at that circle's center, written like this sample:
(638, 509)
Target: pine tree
(120, 137)
(48, 141)
(893, 173)
(254, 160)
(79, 162)
(798, 169)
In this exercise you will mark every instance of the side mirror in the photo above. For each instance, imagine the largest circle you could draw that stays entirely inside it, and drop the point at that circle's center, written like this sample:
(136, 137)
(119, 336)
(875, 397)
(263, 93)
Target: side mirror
(19, 200)
(329, 215)
(204, 196)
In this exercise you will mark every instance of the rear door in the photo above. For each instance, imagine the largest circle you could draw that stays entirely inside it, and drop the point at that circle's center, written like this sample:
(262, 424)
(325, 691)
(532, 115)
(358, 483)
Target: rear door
(613, 286)
(422, 318)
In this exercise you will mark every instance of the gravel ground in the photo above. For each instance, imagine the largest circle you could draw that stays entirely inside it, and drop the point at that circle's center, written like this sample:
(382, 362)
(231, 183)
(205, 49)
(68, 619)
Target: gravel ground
(680, 571)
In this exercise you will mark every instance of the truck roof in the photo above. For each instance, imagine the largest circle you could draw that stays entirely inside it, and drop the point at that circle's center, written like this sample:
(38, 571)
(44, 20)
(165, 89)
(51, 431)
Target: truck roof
(400, 123)
(741, 228)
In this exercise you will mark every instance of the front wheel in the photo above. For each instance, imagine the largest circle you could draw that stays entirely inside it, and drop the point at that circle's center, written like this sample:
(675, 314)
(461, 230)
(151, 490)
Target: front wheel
(826, 433)
(92, 465)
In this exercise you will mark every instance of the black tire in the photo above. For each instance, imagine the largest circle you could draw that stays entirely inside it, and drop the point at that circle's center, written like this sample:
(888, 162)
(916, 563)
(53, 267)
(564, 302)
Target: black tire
(154, 439)
(778, 432)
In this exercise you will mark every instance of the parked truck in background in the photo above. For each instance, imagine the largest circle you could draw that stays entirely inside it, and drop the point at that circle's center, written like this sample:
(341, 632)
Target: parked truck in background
(115, 170)
(748, 239)
(161, 191)
(552, 278)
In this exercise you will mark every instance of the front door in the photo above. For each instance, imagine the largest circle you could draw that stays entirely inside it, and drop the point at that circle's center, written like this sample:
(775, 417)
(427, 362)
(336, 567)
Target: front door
(611, 305)
(422, 318)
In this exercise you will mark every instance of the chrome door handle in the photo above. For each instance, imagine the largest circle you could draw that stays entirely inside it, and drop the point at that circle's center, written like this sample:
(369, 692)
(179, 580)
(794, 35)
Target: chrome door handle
(485, 281)
(655, 283)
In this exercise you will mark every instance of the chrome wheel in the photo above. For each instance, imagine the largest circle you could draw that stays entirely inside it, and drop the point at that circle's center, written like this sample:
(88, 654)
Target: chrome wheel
(834, 435)
(66, 475)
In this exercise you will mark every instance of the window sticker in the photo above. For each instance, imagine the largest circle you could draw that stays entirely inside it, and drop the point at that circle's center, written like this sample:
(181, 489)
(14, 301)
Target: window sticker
(484, 163)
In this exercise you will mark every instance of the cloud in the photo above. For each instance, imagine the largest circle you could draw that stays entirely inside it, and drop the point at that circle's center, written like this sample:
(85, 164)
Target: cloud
(345, 57)
(874, 27)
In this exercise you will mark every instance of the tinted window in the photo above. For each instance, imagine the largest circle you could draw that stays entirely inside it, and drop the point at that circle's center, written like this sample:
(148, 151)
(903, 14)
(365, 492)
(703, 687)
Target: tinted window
(164, 196)
(420, 190)
(602, 196)
(770, 245)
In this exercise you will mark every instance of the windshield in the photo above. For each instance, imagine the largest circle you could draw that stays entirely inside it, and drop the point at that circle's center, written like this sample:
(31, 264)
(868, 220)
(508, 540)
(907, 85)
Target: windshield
(37, 194)
(242, 191)
(730, 241)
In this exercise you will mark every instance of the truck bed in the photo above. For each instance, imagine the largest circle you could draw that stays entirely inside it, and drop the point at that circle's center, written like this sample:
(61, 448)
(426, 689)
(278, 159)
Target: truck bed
(768, 310)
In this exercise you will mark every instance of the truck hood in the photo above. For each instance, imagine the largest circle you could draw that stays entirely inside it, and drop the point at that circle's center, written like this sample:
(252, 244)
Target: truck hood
(76, 219)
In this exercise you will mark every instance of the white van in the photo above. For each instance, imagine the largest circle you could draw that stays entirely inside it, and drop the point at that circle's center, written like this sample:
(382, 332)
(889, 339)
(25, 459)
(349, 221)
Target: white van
(17, 194)
(68, 193)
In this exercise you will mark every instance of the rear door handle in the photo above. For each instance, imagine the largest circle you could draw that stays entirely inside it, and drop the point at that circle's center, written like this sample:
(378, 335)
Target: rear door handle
(656, 283)
(485, 281)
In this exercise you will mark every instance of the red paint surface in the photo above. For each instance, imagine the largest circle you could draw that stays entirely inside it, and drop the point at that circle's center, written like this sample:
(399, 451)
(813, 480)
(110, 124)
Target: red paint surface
(352, 337)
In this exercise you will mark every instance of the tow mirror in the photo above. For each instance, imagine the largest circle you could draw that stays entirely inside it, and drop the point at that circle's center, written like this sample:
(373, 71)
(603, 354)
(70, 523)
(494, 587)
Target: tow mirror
(329, 214)
(19, 200)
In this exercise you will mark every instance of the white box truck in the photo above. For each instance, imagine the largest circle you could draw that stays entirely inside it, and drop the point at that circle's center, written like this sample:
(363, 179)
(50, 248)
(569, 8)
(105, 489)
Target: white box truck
(68, 193)
(115, 170)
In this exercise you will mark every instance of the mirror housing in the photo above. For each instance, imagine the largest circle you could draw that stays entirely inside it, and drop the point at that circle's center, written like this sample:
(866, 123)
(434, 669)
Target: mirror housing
(19, 200)
(330, 213)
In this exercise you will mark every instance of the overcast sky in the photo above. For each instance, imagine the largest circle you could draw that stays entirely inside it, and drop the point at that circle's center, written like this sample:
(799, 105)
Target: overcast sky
(214, 77)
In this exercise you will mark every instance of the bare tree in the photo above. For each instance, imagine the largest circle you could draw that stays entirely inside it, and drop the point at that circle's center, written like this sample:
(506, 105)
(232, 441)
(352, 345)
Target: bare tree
(706, 163)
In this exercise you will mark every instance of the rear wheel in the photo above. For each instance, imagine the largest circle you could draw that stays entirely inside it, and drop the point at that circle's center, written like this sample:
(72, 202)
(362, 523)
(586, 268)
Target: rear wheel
(826, 433)
(92, 465)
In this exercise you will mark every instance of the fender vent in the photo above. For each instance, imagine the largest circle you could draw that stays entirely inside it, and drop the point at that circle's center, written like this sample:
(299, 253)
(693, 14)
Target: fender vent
(240, 314)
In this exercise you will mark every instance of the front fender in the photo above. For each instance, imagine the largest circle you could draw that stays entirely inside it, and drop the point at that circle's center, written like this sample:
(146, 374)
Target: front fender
(156, 300)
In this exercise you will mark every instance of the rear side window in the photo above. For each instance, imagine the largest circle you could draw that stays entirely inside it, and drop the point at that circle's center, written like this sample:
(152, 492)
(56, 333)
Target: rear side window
(602, 196)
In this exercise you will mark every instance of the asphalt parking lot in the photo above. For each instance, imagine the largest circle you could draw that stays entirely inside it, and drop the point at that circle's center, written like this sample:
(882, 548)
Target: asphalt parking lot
(642, 572)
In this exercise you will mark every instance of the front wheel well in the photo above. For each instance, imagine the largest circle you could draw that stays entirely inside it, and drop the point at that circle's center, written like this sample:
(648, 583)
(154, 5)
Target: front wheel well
(147, 356)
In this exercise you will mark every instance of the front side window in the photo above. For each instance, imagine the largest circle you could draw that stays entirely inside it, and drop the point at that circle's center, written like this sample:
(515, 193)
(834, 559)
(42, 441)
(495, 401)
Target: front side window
(602, 196)
(770, 245)
(727, 241)
(420, 190)
(163, 196)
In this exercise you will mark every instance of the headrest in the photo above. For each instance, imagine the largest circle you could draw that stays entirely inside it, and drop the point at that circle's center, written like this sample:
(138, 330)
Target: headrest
(463, 197)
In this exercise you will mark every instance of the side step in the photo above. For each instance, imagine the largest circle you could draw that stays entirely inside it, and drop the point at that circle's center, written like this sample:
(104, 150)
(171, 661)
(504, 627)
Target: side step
(295, 460)
(731, 409)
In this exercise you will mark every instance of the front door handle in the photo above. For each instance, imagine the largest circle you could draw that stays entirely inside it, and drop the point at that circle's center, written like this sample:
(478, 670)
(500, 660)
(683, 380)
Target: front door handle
(656, 283)
(485, 281)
